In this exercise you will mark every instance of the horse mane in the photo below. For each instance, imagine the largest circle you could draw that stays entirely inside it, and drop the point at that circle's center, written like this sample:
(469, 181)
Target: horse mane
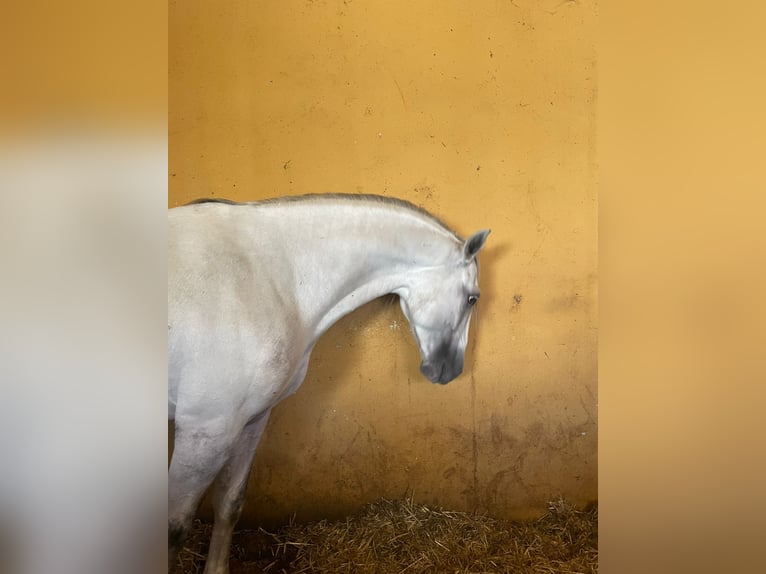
(212, 200)
(361, 197)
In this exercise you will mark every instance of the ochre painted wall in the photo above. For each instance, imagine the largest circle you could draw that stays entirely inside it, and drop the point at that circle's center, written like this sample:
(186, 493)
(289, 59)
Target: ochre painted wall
(482, 112)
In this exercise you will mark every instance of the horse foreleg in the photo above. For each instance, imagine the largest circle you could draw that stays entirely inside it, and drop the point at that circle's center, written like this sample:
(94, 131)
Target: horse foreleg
(229, 494)
(198, 456)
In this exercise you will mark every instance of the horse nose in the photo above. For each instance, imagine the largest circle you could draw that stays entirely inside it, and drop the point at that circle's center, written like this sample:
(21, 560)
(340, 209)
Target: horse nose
(451, 372)
(430, 371)
(442, 372)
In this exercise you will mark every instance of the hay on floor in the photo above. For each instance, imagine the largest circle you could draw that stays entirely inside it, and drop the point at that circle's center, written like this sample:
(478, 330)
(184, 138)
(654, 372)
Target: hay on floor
(401, 536)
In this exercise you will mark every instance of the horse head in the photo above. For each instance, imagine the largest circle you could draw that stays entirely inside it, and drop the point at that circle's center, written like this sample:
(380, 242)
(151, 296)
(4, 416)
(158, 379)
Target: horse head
(438, 303)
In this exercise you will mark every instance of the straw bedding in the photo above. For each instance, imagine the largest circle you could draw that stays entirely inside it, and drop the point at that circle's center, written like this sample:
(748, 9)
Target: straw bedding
(401, 536)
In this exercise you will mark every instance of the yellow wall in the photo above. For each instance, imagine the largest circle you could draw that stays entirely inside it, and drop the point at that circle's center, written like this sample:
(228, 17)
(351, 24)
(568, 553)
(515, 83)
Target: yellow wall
(482, 112)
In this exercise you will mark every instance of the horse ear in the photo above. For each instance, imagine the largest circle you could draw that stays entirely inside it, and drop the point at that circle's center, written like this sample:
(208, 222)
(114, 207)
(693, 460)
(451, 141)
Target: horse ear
(474, 244)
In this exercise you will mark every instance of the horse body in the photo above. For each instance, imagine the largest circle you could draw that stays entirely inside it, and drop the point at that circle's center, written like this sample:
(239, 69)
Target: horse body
(251, 289)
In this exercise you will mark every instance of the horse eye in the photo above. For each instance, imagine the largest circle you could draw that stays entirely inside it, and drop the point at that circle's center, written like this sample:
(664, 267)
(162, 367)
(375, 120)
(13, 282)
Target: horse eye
(472, 299)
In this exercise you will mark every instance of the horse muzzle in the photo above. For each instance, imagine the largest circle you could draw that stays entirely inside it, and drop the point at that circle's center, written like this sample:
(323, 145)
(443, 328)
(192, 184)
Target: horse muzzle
(441, 372)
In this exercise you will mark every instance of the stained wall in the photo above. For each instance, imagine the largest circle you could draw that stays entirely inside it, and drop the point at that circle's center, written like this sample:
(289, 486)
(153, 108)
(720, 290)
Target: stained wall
(482, 112)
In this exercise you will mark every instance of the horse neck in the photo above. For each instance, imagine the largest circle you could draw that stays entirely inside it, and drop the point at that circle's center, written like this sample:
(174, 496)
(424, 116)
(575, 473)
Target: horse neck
(345, 257)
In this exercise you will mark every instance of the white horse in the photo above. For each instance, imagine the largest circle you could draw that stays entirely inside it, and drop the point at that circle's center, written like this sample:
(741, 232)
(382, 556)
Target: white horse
(251, 287)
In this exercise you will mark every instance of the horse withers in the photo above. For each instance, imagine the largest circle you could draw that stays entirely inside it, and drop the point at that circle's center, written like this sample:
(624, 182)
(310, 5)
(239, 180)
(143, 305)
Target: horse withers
(252, 286)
